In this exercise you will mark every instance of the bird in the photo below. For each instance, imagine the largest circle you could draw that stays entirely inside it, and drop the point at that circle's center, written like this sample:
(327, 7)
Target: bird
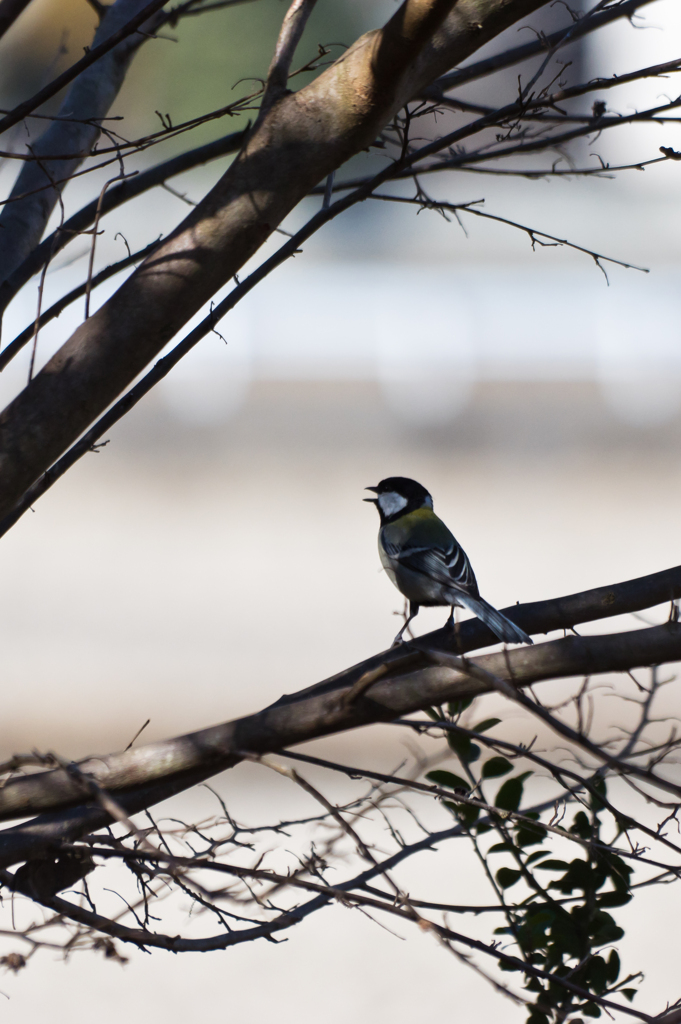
(425, 562)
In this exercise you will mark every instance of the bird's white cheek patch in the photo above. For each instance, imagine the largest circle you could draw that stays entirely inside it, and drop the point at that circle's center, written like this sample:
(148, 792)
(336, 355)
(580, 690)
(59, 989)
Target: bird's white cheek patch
(391, 502)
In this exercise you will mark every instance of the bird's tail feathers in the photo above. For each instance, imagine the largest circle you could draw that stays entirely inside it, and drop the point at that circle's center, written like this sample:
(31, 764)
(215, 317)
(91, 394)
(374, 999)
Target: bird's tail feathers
(498, 623)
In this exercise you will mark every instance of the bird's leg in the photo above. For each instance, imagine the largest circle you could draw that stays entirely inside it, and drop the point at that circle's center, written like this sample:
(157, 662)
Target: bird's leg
(453, 624)
(413, 612)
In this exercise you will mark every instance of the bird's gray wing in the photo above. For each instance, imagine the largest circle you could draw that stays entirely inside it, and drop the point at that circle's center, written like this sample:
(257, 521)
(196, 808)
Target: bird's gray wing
(448, 567)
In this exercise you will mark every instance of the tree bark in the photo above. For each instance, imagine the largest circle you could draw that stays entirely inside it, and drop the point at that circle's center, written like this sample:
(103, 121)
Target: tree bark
(402, 680)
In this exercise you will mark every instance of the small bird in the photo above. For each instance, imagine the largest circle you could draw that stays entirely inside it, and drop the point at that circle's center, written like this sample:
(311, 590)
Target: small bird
(425, 562)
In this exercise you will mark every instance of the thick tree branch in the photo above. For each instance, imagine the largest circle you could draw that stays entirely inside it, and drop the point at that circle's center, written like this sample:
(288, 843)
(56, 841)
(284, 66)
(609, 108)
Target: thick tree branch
(407, 681)
(302, 138)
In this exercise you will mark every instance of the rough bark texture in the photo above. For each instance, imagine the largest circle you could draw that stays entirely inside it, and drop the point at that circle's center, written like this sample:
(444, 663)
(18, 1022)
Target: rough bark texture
(304, 137)
(409, 681)
(143, 776)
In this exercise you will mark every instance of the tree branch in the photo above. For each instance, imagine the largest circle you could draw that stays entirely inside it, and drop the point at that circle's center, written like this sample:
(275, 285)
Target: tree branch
(91, 57)
(518, 54)
(344, 894)
(410, 682)
(114, 198)
(95, 88)
(290, 35)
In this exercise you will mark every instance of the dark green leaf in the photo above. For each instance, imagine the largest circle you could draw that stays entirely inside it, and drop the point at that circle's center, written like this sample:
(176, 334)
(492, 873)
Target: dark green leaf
(468, 813)
(447, 779)
(527, 834)
(535, 856)
(629, 993)
(597, 975)
(613, 899)
(537, 1018)
(484, 827)
(597, 784)
(506, 877)
(624, 823)
(511, 793)
(579, 875)
(581, 825)
(457, 706)
(618, 871)
(466, 751)
(433, 714)
(590, 1009)
(487, 723)
(495, 767)
(613, 969)
(554, 865)
(501, 848)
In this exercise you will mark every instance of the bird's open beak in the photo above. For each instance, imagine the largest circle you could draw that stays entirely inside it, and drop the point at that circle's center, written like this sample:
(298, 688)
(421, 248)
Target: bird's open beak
(372, 500)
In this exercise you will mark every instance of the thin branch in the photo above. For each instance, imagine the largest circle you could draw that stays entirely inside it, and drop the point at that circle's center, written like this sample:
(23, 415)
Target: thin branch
(61, 304)
(93, 55)
(518, 54)
(343, 894)
(292, 29)
(114, 198)
(534, 235)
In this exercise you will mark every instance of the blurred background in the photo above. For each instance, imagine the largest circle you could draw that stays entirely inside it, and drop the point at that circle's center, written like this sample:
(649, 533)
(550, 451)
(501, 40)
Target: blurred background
(217, 554)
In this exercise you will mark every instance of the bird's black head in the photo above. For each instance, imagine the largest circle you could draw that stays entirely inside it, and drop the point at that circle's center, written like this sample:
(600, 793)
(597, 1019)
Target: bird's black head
(397, 495)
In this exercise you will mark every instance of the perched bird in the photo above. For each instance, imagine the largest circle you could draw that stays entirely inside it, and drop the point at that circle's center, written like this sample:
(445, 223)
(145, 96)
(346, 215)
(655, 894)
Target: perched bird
(425, 562)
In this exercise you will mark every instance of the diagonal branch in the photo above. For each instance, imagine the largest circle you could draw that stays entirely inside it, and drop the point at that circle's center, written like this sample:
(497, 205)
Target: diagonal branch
(9, 12)
(114, 198)
(144, 775)
(95, 88)
(90, 58)
(519, 54)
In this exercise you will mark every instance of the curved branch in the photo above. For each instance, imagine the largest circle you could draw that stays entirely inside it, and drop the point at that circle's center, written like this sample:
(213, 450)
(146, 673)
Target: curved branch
(344, 894)
(290, 35)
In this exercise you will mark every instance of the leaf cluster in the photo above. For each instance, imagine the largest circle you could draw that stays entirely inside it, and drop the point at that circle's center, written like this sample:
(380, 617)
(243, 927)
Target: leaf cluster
(565, 927)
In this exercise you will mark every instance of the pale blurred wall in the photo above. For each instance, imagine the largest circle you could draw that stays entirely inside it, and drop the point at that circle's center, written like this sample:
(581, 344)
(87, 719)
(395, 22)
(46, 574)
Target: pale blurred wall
(217, 553)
